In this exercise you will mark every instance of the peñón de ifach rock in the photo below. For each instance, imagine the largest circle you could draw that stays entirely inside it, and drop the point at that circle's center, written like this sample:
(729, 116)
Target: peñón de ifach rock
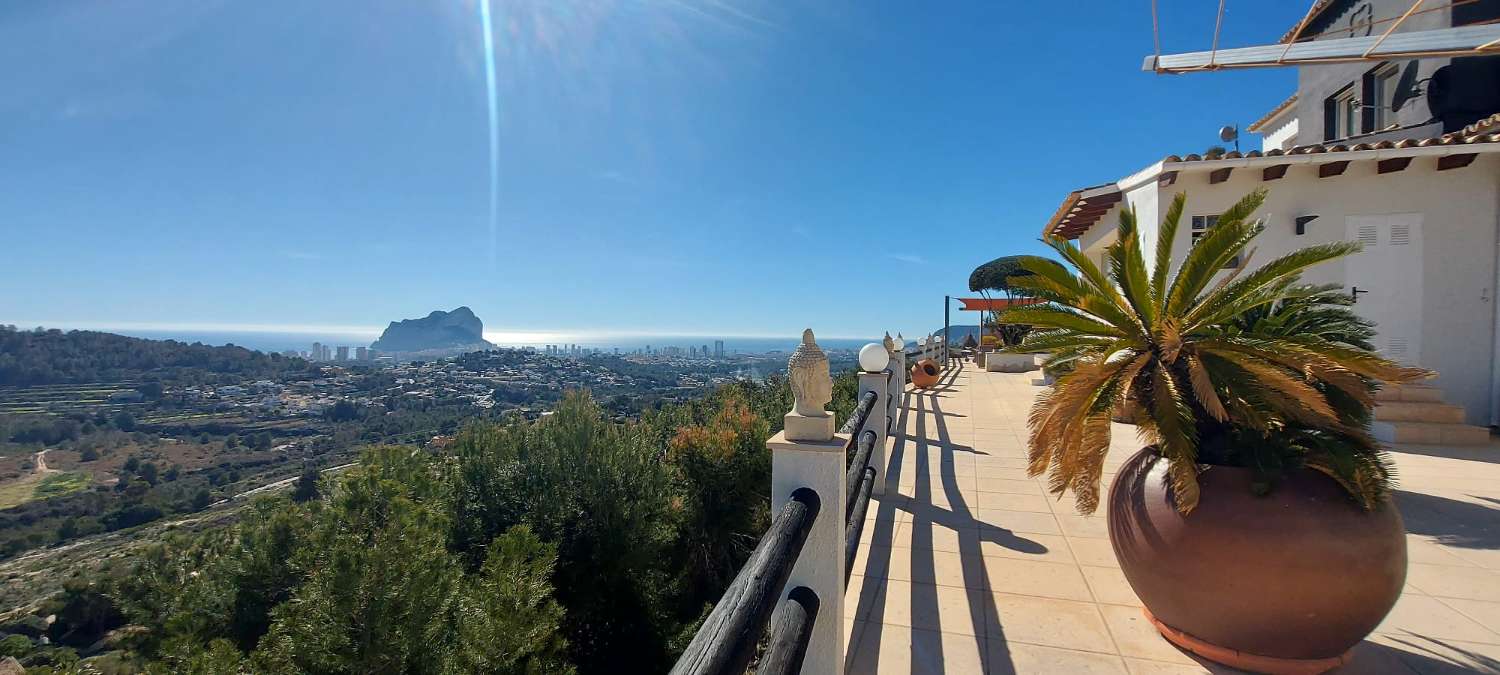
(458, 329)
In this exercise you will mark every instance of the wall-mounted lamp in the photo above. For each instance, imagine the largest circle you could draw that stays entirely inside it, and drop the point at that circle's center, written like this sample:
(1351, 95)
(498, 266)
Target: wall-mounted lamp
(1302, 222)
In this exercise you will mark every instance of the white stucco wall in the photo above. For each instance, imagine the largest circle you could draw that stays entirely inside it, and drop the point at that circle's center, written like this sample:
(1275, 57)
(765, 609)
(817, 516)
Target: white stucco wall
(1148, 218)
(1281, 137)
(1461, 212)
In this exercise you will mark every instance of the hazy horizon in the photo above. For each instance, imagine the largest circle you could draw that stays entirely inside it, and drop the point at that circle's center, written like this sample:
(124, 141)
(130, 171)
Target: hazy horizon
(300, 337)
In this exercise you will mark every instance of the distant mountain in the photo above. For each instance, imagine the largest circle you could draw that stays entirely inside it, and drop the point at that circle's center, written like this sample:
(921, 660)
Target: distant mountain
(458, 329)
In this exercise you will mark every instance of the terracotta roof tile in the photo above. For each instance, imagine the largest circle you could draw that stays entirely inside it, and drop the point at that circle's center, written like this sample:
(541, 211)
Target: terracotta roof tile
(1077, 214)
(1462, 137)
(1486, 124)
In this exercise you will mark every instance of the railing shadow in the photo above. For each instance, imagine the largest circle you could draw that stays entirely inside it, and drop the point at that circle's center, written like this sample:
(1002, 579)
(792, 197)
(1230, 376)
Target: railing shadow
(871, 601)
(983, 614)
(1450, 521)
(913, 451)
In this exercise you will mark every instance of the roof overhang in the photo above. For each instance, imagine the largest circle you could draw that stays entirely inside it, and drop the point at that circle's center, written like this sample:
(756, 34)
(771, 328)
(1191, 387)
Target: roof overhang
(1074, 217)
(1081, 209)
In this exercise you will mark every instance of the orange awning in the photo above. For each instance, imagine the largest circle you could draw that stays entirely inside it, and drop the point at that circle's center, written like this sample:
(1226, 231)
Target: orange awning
(993, 304)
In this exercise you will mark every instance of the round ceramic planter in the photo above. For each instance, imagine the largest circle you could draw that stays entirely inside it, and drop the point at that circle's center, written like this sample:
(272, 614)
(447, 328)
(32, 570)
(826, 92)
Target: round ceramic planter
(1285, 583)
(924, 374)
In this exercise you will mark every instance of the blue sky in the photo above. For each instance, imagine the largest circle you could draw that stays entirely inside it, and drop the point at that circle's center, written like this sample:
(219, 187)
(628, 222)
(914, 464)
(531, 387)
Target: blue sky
(738, 167)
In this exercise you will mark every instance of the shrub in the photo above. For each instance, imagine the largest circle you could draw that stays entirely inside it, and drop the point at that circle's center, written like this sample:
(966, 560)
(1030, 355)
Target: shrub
(15, 645)
(1256, 370)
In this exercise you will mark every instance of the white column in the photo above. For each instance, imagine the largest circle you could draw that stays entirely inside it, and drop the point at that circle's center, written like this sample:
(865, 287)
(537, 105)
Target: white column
(880, 384)
(818, 465)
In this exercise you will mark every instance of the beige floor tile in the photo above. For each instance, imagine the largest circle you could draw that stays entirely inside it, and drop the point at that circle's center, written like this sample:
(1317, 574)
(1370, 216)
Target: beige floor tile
(1420, 549)
(1146, 667)
(999, 473)
(1031, 577)
(1074, 525)
(1022, 658)
(861, 594)
(998, 462)
(1010, 486)
(938, 537)
(1014, 502)
(900, 650)
(931, 607)
(1447, 581)
(1020, 522)
(1136, 637)
(922, 566)
(1486, 613)
(1425, 655)
(1109, 586)
(1049, 622)
(1488, 558)
(1041, 547)
(852, 628)
(1094, 552)
(1429, 617)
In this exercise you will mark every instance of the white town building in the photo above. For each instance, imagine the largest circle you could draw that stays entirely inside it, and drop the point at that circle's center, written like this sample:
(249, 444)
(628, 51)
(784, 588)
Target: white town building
(1420, 189)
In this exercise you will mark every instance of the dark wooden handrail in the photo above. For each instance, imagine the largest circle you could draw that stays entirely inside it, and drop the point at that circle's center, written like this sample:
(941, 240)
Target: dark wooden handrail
(790, 633)
(726, 641)
(856, 523)
(862, 409)
(864, 446)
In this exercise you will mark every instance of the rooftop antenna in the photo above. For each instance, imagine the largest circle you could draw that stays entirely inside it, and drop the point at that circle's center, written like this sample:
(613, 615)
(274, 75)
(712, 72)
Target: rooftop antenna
(1229, 133)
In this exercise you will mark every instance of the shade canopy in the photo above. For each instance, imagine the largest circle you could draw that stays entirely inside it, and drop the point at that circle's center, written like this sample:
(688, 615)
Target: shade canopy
(993, 304)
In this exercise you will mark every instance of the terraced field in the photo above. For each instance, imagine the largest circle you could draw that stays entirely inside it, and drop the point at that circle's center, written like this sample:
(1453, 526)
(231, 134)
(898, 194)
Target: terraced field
(63, 398)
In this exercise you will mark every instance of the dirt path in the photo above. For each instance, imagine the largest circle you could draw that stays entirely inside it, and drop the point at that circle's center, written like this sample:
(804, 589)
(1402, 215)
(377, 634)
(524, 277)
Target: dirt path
(41, 464)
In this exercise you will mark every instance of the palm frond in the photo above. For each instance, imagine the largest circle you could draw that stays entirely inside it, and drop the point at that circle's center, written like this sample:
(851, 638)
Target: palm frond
(1165, 238)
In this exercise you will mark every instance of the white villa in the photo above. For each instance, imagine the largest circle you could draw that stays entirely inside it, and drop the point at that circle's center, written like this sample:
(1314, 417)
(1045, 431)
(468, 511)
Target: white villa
(1362, 153)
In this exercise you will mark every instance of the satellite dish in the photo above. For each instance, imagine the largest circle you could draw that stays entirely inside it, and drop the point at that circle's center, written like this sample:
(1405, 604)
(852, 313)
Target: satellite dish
(1229, 133)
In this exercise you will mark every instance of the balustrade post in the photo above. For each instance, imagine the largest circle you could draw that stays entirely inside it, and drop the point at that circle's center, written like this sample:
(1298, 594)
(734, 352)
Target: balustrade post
(807, 453)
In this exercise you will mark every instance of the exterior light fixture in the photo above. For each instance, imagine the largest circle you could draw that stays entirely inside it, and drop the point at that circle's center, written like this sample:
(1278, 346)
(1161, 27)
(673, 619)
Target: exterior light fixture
(1302, 222)
(873, 357)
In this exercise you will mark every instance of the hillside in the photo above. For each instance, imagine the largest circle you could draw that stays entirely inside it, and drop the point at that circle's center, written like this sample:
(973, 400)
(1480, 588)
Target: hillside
(38, 357)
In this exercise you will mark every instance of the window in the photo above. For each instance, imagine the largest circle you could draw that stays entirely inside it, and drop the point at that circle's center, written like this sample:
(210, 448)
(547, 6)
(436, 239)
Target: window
(1341, 114)
(1200, 226)
(1382, 94)
(1347, 106)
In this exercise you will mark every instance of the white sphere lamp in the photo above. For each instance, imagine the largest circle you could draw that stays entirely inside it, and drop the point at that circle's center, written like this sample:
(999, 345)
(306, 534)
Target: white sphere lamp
(873, 357)
(898, 343)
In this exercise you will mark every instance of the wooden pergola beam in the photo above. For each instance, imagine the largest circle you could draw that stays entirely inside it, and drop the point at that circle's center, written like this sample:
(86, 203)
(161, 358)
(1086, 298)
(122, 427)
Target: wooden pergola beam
(1392, 165)
(1455, 161)
(1332, 168)
(1273, 172)
(1219, 175)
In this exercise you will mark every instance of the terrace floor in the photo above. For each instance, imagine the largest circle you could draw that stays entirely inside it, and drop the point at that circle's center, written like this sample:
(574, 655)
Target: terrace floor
(967, 566)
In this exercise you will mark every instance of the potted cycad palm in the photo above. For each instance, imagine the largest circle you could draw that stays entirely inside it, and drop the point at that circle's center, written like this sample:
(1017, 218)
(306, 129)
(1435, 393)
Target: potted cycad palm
(1256, 524)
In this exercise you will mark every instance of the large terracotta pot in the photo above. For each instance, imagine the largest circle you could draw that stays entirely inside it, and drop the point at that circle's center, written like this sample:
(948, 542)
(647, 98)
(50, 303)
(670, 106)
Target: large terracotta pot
(1285, 583)
(924, 374)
